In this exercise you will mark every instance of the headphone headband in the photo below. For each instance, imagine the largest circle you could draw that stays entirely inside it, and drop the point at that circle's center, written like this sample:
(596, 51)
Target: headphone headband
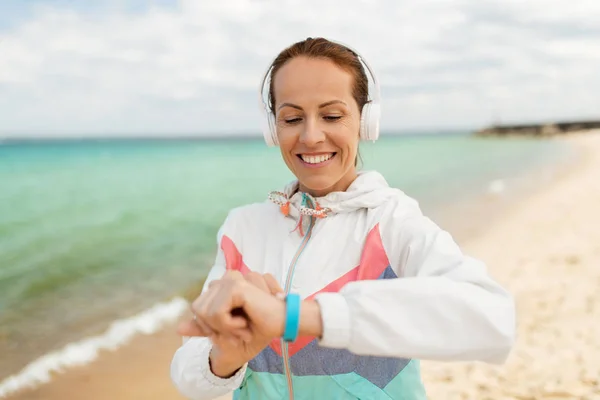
(369, 127)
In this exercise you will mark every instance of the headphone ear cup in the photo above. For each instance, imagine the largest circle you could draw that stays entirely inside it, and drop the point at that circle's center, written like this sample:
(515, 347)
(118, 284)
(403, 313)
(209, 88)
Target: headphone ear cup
(269, 131)
(364, 116)
(374, 118)
(273, 130)
(369, 122)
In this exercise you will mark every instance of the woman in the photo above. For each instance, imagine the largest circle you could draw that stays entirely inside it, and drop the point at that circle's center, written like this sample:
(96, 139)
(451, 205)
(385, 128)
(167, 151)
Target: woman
(381, 286)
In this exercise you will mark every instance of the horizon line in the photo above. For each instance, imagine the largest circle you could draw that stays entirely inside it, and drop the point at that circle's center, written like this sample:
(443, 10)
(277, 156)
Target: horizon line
(218, 136)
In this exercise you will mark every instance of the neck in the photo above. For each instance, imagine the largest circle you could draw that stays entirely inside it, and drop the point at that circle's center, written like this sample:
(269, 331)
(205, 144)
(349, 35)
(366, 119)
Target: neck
(340, 186)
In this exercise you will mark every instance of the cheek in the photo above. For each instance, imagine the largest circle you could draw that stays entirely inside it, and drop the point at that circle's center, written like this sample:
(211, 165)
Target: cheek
(287, 142)
(348, 138)
(285, 139)
(351, 156)
(348, 144)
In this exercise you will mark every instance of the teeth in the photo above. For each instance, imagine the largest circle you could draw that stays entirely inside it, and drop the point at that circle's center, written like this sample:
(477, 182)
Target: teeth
(316, 159)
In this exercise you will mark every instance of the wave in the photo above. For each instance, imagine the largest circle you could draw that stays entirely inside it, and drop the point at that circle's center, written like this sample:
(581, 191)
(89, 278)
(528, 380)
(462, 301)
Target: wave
(119, 333)
(497, 186)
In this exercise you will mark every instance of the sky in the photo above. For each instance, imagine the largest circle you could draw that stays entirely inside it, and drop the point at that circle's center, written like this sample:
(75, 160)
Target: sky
(117, 67)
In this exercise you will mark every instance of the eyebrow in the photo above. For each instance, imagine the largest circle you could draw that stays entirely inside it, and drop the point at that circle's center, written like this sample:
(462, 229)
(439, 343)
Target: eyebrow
(327, 103)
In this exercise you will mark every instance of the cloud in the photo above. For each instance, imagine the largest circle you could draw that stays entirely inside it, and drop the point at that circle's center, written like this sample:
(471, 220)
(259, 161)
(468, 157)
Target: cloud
(194, 67)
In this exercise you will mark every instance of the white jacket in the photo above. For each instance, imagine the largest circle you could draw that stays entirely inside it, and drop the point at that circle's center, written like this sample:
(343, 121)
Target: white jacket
(392, 286)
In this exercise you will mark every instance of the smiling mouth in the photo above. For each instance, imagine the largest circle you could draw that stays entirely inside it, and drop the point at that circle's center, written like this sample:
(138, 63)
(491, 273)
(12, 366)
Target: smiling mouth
(316, 159)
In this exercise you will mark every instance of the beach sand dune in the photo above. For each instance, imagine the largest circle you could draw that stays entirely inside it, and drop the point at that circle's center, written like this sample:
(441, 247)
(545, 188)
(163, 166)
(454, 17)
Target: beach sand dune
(545, 250)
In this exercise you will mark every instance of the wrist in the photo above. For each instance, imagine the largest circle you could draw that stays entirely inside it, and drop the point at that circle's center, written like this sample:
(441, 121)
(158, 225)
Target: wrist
(310, 322)
(222, 367)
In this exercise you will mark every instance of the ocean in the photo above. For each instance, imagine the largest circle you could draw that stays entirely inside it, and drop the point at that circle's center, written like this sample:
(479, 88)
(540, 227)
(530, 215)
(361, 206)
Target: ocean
(96, 231)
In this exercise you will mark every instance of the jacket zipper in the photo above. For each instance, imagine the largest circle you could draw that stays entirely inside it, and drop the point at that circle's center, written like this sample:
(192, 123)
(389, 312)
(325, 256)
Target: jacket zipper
(288, 285)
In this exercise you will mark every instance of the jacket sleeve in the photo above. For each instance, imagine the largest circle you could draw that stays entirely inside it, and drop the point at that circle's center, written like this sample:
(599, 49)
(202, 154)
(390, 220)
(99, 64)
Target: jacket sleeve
(190, 370)
(444, 306)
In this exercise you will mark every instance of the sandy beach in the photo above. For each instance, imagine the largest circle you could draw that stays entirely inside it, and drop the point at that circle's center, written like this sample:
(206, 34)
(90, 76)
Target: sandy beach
(545, 250)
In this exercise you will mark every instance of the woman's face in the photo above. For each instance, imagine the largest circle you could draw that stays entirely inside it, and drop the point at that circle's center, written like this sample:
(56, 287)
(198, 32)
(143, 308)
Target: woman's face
(318, 123)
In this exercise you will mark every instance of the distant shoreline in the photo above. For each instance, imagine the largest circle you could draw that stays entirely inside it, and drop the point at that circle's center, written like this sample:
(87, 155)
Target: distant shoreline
(546, 129)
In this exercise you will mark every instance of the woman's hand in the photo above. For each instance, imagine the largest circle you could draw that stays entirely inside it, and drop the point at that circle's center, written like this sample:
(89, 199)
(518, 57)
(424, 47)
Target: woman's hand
(240, 315)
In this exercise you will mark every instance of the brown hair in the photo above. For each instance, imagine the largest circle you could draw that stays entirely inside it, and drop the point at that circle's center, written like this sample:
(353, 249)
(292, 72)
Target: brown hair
(319, 47)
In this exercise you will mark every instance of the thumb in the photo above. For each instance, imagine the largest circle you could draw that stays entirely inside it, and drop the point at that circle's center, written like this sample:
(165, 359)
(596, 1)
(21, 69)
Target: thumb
(190, 328)
(272, 284)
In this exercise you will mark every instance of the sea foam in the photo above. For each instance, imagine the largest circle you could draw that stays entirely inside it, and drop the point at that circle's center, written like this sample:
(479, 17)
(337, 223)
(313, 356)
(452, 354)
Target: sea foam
(497, 186)
(85, 351)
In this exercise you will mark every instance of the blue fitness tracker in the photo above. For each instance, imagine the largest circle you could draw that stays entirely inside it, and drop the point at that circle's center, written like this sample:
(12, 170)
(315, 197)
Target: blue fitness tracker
(292, 317)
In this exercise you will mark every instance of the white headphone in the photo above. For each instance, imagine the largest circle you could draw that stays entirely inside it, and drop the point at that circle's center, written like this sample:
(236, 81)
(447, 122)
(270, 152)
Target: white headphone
(370, 114)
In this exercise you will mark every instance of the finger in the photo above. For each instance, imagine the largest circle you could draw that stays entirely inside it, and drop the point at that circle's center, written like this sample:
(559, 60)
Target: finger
(228, 312)
(244, 334)
(240, 330)
(190, 328)
(203, 325)
(202, 308)
(272, 284)
(237, 327)
(213, 283)
(233, 274)
(238, 322)
(257, 280)
(216, 308)
(212, 287)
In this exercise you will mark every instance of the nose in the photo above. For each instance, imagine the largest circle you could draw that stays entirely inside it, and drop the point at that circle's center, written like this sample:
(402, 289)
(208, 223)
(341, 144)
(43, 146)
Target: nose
(312, 133)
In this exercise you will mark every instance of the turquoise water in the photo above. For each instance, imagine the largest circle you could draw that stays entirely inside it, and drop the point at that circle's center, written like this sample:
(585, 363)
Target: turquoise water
(91, 231)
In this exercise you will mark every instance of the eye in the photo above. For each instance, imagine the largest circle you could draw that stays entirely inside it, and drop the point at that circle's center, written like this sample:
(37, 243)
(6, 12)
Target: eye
(293, 120)
(332, 117)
